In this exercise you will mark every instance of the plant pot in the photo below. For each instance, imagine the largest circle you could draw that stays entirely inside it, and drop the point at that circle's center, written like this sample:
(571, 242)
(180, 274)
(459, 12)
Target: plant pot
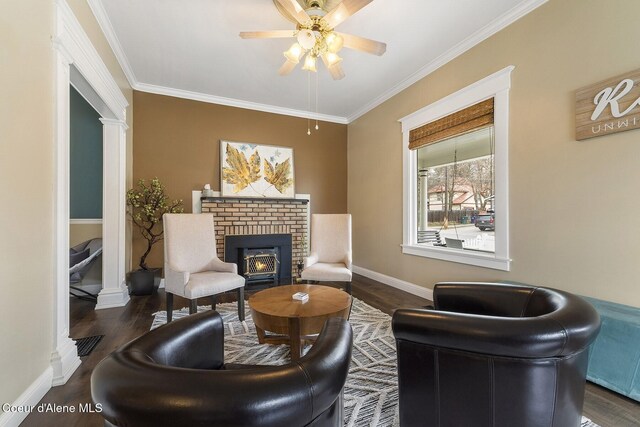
(141, 282)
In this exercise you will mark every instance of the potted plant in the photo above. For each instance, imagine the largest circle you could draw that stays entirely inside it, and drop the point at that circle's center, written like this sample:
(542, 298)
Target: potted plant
(303, 245)
(145, 206)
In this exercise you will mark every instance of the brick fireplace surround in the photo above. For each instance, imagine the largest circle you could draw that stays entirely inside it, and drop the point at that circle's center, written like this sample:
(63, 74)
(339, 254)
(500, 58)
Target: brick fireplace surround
(238, 216)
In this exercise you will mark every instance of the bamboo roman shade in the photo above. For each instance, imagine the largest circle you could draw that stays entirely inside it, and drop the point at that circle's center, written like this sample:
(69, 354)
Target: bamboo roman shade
(471, 118)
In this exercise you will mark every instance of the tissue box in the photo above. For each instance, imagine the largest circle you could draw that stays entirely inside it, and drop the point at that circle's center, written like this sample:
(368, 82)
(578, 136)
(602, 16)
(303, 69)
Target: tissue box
(301, 296)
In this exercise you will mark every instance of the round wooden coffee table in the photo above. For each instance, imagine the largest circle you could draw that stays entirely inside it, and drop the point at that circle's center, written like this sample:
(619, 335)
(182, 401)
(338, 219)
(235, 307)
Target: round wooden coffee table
(293, 321)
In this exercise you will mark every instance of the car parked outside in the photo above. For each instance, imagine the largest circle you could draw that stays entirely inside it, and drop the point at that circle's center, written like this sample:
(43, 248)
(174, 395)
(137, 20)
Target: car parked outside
(486, 222)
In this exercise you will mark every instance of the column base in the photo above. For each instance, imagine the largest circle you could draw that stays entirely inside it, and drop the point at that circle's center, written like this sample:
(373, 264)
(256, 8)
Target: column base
(64, 361)
(113, 297)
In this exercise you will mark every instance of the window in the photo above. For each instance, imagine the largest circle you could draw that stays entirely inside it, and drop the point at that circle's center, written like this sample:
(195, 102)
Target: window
(455, 190)
(456, 176)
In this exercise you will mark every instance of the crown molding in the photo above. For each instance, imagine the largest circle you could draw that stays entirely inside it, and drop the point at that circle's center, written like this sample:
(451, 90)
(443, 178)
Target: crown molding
(107, 28)
(105, 25)
(76, 49)
(476, 38)
(479, 36)
(231, 102)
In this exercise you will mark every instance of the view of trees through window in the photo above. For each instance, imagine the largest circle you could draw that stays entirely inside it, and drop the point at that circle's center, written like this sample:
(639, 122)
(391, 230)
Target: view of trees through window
(456, 183)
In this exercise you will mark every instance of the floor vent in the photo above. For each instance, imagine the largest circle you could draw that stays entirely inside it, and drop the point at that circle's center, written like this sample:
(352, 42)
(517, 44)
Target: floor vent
(86, 345)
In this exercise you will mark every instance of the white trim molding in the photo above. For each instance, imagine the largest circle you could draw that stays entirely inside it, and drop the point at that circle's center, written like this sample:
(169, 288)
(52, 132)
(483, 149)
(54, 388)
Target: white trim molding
(85, 221)
(29, 398)
(64, 356)
(79, 64)
(71, 38)
(102, 17)
(494, 86)
(231, 102)
(409, 287)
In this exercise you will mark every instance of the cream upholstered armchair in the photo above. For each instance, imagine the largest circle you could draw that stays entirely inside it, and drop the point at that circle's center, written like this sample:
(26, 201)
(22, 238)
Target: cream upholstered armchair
(192, 268)
(330, 258)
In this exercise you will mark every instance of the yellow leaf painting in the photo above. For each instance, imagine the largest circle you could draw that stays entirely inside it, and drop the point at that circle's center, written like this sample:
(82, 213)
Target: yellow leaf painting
(279, 176)
(240, 172)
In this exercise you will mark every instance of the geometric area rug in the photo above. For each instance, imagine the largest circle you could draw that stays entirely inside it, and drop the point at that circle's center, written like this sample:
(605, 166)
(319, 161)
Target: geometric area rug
(371, 390)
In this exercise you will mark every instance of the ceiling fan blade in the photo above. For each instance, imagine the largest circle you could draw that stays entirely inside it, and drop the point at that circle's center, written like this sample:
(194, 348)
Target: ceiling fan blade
(295, 10)
(336, 71)
(274, 34)
(287, 67)
(363, 45)
(343, 11)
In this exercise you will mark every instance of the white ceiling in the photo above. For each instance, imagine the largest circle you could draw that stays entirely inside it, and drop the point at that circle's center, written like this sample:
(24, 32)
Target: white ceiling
(191, 49)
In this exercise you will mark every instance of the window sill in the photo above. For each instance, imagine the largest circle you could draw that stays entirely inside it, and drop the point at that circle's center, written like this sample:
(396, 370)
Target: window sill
(460, 256)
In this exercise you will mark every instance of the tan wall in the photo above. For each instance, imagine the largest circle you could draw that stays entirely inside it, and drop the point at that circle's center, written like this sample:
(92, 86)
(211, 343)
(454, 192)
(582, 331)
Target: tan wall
(178, 141)
(574, 223)
(79, 233)
(83, 12)
(26, 166)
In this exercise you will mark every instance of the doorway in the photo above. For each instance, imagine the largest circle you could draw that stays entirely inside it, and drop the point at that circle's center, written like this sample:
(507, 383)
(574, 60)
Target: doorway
(78, 64)
(85, 199)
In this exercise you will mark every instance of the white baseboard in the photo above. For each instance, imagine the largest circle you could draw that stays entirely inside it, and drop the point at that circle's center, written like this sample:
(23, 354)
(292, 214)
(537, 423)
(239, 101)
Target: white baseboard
(30, 397)
(412, 288)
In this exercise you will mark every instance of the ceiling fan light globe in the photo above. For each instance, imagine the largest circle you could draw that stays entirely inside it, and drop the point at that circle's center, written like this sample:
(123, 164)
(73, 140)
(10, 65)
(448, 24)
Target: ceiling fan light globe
(332, 59)
(294, 53)
(310, 63)
(307, 39)
(334, 42)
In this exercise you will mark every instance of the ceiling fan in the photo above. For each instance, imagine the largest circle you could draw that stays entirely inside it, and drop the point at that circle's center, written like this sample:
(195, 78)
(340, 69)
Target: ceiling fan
(315, 36)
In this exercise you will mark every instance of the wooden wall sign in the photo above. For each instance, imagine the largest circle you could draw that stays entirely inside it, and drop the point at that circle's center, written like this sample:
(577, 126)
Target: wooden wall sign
(609, 106)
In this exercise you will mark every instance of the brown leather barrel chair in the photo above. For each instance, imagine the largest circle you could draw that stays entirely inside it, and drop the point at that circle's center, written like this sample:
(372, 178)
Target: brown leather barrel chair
(176, 376)
(498, 355)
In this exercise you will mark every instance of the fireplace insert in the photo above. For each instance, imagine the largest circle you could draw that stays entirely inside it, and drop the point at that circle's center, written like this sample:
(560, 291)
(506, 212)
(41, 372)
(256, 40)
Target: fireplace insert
(260, 258)
(261, 264)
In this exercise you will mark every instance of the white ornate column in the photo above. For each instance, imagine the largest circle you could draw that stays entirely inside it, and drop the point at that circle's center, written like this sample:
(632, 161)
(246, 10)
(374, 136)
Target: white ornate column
(64, 357)
(114, 291)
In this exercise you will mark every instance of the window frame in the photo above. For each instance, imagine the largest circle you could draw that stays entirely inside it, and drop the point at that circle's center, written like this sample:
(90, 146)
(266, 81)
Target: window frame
(495, 86)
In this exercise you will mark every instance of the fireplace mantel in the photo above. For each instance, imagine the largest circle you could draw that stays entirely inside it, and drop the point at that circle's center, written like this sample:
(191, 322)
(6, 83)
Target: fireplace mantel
(266, 199)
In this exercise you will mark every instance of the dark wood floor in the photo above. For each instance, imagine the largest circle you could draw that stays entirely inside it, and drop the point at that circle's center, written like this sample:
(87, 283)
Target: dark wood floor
(120, 325)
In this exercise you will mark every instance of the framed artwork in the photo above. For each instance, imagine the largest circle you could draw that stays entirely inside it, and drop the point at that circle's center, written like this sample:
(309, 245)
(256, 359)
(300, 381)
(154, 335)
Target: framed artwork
(252, 170)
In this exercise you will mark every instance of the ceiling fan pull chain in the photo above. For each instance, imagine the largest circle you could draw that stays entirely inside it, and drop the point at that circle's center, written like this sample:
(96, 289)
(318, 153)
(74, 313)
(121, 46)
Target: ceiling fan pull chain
(317, 94)
(308, 102)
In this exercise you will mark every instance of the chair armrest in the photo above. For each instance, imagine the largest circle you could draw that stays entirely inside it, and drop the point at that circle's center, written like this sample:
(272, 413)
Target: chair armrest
(174, 280)
(225, 267)
(194, 342)
(499, 336)
(310, 260)
(348, 261)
